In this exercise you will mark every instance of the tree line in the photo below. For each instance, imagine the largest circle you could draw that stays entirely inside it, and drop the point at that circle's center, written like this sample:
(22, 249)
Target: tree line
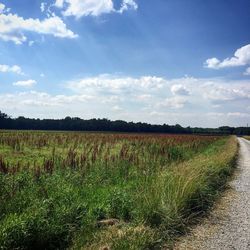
(78, 124)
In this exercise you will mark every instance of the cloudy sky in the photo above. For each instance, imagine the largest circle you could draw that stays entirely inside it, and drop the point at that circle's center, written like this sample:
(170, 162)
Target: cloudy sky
(156, 61)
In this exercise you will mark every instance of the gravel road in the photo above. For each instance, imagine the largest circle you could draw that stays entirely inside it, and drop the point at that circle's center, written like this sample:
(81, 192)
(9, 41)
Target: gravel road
(228, 226)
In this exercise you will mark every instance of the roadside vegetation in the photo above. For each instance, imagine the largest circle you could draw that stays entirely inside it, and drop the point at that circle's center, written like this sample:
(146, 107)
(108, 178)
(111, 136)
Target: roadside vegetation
(97, 190)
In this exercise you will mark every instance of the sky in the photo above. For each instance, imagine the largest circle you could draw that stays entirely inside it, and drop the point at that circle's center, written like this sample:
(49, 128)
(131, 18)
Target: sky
(156, 61)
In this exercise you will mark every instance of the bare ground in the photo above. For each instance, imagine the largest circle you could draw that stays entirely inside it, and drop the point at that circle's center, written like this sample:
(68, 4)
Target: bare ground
(228, 225)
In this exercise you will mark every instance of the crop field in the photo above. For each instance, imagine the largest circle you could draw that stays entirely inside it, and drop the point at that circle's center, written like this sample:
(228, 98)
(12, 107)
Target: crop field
(74, 190)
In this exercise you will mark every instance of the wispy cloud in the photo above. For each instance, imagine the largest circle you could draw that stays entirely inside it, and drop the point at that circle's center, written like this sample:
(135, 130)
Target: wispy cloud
(247, 72)
(13, 69)
(2, 7)
(42, 6)
(27, 83)
(128, 4)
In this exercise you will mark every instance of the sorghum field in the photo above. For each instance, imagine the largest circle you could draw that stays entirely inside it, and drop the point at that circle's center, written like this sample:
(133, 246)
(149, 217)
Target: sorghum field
(73, 190)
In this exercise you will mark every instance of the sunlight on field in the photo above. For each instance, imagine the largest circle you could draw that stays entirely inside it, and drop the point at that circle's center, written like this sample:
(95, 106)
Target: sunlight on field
(126, 191)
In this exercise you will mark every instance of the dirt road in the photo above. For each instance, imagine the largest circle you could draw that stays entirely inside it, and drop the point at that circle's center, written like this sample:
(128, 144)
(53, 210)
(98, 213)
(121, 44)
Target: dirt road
(228, 226)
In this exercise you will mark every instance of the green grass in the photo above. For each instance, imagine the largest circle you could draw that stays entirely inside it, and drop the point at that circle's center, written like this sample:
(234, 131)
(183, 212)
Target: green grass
(177, 197)
(154, 186)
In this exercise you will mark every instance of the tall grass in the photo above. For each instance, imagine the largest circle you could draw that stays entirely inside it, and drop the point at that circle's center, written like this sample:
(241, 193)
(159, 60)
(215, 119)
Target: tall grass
(55, 188)
(175, 198)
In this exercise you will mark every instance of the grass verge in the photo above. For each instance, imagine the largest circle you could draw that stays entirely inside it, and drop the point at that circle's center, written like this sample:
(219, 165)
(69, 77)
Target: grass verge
(171, 201)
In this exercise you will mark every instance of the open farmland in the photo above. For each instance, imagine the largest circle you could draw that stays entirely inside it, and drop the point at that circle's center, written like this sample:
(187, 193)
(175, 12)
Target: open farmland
(97, 190)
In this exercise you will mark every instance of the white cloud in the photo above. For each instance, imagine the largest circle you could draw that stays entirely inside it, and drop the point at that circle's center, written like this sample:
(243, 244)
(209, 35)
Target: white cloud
(156, 91)
(79, 8)
(127, 4)
(31, 43)
(241, 58)
(144, 97)
(41, 104)
(175, 102)
(13, 69)
(2, 7)
(42, 6)
(238, 114)
(12, 27)
(216, 106)
(225, 92)
(117, 108)
(27, 83)
(109, 84)
(179, 89)
(63, 99)
(212, 63)
(42, 75)
(211, 102)
(247, 72)
(111, 99)
(59, 3)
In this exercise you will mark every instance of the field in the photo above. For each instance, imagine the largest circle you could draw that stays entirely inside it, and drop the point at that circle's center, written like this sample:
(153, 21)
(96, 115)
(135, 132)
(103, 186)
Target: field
(106, 191)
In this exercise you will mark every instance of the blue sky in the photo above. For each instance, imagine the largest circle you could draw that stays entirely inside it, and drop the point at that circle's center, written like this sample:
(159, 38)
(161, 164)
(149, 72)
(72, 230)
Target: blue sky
(158, 61)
